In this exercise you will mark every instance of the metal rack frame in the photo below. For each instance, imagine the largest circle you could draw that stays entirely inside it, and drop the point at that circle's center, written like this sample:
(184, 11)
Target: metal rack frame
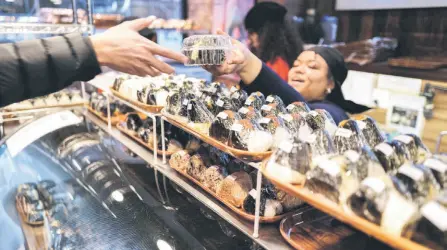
(55, 29)
(269, 235)
(256, 233)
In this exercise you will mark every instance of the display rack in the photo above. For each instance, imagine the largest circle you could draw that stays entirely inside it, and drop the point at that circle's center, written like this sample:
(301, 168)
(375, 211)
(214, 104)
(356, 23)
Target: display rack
(259, 235)
(269, 235)
(106, 90)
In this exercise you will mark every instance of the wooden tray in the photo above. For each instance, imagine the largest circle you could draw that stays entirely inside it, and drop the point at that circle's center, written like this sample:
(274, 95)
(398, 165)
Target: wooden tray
(424, 63)
(113, 120)
(149, 146)
(149, 108)
(36, 236)
(240, 154)
(238, 211)
(313, 229)
(322, 203)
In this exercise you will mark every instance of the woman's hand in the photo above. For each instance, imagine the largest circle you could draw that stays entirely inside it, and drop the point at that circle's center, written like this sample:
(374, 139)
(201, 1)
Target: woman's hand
(122, 48)
(241, 62)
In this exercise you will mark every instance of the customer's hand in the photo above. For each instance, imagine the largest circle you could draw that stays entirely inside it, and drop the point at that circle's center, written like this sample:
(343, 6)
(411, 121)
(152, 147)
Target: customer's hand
(123, 49)
(241, 62)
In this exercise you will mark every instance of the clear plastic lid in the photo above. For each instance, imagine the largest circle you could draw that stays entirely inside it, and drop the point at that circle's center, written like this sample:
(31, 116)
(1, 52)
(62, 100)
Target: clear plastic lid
(206, 49)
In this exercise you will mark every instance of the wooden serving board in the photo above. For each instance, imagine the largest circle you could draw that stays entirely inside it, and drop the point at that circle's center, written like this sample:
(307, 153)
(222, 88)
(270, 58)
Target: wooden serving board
(238, 211)
(149, 108)
(113, 120)
(320, 233)
(136, 138)
(240, 154)
(425, 63)
(36, 236)
(320, 202)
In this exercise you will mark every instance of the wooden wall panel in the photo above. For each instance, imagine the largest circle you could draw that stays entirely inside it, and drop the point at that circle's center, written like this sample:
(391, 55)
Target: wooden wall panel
(419, 31)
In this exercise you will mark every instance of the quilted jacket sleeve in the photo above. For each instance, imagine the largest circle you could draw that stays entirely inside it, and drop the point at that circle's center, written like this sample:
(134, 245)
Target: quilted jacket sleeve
(42, 66)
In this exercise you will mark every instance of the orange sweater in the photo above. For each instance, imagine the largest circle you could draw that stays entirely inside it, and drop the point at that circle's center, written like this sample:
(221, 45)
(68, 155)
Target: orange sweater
(280, 66)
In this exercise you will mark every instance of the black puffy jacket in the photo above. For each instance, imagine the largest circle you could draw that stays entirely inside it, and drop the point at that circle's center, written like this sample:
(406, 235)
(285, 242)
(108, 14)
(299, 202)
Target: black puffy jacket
(42, 66)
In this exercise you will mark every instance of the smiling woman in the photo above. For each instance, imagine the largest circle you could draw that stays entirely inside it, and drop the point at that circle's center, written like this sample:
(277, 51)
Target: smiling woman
(311, 77)
(318, 75)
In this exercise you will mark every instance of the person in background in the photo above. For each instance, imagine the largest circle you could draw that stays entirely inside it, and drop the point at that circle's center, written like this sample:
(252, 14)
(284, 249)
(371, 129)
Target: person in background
(271, 38)
(38, 67)
(315, 79)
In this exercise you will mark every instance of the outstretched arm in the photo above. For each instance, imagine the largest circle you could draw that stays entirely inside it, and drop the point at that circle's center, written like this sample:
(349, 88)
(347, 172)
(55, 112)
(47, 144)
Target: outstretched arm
(38, 67)
(42, 66)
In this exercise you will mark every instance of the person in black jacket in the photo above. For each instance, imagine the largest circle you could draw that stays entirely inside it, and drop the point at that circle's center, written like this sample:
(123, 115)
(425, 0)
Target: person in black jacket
(38, 67)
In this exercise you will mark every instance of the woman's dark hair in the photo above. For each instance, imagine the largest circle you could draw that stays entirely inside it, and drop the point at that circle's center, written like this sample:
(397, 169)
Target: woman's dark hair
(278, 40)
(276, 37)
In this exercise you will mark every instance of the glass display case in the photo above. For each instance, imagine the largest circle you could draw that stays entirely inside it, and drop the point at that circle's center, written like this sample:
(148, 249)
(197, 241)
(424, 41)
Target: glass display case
(67, 184)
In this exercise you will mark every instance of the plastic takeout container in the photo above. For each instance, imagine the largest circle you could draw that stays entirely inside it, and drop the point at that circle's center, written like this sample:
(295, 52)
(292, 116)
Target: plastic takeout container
(206, 49)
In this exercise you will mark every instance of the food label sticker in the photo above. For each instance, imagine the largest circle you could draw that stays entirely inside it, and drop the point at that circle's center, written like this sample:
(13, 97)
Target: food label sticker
(287, 117)
(290, 107)
(266, 107)
(361, 124)
(346, 133)
(352, 155)
(237, 127)
(219, 103)
(185, 102)
(222, 115)
(248, 101)
(375, 184)
(264, 120)
(330, 167)
(436, 165)
(308, 137)
(243, 110)
(403, 138)
(286, 146)
(231, 177)
(436, 214)
(385, 148)
(213, 90)
(252, 193)
(412, 172)
(236, 95)
(233, 89)
(269, 98)
(189, 106)
(208, 98)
